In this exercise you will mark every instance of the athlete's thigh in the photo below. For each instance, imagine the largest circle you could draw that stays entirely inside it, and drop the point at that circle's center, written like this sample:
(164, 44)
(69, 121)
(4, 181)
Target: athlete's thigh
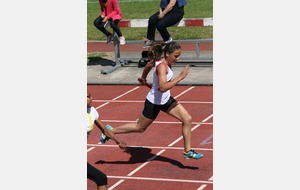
(178, 111)
(143, 122)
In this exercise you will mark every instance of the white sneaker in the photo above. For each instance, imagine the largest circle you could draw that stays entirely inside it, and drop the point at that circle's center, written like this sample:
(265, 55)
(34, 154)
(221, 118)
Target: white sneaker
(122, 40)
(148, 43)
(169, 40)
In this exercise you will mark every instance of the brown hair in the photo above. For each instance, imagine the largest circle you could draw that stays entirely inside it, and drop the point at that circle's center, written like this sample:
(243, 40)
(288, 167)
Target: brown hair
(171, 47)
(155, 52)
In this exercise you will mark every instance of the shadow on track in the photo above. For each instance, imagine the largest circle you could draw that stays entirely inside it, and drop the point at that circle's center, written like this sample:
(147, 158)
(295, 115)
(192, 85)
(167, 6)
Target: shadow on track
(142, 154)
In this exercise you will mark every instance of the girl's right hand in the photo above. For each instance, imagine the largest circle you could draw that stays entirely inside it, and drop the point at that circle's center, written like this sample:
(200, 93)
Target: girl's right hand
(184, 72)
(104, 19)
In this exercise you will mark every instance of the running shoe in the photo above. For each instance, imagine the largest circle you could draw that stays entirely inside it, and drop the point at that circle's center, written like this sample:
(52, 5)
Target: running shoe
(109, 38)
(122, 40)
(103, 137)
(192, 154)
(148, 43)
(169, 40)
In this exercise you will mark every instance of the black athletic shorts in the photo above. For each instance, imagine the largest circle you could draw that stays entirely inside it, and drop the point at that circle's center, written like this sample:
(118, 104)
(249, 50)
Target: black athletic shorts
(151, 111)
(96, 175)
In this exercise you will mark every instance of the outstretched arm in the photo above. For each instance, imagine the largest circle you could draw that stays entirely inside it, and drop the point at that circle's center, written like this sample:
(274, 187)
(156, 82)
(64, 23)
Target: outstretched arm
(109, 134)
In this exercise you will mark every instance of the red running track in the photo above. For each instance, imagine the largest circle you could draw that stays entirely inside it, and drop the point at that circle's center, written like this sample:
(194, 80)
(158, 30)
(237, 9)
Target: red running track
(103, 47)
(154, 159)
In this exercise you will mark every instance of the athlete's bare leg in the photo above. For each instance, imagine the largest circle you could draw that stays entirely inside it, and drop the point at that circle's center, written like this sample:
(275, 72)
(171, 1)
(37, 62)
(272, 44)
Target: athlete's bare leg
(140, 126)
(178, 111)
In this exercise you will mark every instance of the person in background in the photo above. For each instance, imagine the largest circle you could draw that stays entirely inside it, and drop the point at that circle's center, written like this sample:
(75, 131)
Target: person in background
(110, 12)
(159, 98)
(93, 118)
(170, 13)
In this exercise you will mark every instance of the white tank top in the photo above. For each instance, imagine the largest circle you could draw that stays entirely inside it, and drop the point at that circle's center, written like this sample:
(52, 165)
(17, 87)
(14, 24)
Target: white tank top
(155, 96)
(90, 119)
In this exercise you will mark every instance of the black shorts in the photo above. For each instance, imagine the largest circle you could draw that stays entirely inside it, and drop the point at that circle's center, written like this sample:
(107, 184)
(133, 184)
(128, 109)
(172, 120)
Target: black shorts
(151, 111)
(96, 175)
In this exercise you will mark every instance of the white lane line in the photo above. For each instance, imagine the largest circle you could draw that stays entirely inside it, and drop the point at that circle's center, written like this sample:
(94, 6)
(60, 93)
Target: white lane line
(116, 184)
(160, 122)
(201, 187)
(126, 93)
(138, 168)
(171, 144)
(174, 142)
(151, 147)
(204, 120)
(160, 179)
(145, 163)
(207, 140)
(90, 149)
(118, 97)
(192, 130)
(184, 92)
(142, 101)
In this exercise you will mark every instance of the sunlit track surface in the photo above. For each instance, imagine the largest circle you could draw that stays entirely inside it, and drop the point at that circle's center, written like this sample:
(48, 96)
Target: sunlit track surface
(153, 158)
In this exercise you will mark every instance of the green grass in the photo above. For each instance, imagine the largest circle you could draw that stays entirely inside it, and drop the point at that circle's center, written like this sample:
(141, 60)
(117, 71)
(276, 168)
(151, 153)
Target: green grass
(133, 9)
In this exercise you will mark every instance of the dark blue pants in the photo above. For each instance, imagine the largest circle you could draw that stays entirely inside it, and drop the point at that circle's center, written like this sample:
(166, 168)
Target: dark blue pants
(161, 25)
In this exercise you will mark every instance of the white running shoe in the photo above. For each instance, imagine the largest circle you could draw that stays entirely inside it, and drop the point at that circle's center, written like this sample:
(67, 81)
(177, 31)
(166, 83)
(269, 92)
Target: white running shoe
(122, 40)
(148, 43)
(169, 40)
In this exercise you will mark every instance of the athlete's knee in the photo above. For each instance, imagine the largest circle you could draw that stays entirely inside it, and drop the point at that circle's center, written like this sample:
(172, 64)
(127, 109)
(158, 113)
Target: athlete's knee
(97, 24)
(140, 130)
(187, 119)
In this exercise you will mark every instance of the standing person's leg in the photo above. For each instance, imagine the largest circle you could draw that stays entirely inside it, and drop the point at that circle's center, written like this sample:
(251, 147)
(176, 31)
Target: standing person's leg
(152, 26)
(169, 20)
(97, 176)
(115, 27)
